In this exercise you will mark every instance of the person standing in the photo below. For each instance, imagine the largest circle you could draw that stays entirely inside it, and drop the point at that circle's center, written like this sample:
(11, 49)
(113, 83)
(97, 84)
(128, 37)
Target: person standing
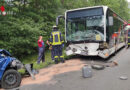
(41, 49)
(56, 40)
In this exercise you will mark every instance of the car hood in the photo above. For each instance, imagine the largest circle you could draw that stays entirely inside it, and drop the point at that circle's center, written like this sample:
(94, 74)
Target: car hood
(5, 52)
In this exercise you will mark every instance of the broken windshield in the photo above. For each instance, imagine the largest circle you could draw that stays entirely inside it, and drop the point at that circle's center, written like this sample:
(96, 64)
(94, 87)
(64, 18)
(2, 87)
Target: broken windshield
(89, 28)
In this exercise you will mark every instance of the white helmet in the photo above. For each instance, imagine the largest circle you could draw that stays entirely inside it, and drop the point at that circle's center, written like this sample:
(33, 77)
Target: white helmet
(54, 26)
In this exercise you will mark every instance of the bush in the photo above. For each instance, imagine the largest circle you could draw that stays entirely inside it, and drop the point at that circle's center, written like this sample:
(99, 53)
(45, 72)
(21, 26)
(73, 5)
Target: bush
(19, 35)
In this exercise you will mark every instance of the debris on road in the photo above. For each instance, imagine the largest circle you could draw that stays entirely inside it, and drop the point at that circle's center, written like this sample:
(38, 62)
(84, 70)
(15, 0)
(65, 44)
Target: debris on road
(123, 78)
(29, 68)
(112, 64)
(87, 71)
(98, 67)
(102, 66)
(46, 74)
(34, 71)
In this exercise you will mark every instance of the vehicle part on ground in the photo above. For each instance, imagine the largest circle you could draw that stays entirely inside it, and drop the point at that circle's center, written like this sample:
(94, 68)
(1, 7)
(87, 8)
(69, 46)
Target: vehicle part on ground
(111, 64)
(98, 67)
(29, 68)
(87, 71)
(34, 71)
(123, 78)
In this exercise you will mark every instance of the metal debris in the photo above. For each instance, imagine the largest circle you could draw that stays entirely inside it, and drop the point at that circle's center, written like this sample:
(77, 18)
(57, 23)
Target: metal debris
(29, 68)
(123, 78)
(98, 67)
(112, 64)
(34, 71)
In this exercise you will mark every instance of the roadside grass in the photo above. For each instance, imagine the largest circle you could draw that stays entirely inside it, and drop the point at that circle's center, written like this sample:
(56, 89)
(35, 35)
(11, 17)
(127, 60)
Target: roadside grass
(33, 59)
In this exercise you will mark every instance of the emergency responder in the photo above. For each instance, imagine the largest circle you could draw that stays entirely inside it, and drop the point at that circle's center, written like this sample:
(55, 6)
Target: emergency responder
(56, 40)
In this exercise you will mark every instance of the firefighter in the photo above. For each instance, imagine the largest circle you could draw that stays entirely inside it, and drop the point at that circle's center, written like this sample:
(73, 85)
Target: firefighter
(56, 40)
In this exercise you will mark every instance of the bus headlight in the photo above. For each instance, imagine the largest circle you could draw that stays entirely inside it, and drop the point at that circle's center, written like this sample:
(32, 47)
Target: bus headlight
(103, 45)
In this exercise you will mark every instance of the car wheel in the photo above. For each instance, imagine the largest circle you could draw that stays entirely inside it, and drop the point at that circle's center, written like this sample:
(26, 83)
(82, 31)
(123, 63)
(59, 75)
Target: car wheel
(11, 79)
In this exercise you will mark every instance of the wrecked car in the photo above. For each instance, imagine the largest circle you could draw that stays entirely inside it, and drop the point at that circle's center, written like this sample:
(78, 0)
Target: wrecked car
(9, 66)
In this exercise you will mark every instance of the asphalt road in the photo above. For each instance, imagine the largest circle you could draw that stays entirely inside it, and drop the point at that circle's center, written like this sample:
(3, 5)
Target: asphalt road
(107, 79)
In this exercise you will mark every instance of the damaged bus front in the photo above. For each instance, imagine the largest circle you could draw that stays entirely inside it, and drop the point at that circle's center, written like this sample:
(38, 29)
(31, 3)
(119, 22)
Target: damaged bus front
(86, 32)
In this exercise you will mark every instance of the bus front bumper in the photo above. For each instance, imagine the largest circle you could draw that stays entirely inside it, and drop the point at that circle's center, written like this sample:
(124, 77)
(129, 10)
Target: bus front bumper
(103, 54)
(84, 53)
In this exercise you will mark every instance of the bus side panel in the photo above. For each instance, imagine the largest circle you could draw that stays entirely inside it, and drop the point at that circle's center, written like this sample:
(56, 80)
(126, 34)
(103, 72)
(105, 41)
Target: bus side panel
(115, 33)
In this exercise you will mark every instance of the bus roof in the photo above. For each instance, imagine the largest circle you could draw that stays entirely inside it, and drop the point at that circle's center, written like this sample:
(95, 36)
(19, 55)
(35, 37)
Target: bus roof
(71, 10)
(85, 8)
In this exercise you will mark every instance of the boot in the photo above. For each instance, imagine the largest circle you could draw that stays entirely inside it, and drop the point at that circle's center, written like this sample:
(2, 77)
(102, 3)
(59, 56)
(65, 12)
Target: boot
(63, 61)
(56, 61)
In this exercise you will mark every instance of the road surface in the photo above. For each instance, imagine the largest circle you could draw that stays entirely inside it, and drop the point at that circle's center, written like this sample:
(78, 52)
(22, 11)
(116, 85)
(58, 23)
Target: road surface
(107, 79)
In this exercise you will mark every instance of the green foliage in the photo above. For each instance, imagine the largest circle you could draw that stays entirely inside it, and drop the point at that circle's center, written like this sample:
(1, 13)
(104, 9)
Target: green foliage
(33, 59)
(19, 33)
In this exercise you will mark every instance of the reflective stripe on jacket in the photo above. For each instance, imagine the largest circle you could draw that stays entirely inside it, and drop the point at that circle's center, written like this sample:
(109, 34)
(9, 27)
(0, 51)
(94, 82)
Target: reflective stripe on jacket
(56, 38)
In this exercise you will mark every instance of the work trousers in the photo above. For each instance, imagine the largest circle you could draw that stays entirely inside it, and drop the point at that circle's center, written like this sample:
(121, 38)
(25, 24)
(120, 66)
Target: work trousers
(41, 55)
(58, 52)
(52, 54)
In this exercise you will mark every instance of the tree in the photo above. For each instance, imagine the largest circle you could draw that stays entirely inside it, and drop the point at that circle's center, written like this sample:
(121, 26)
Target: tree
(19, 32)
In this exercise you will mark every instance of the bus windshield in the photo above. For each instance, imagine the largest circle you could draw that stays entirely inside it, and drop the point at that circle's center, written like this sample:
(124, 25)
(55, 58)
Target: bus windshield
(89, 28)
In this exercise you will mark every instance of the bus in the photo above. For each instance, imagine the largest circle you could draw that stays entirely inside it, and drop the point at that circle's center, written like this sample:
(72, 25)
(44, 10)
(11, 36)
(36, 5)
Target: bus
(93, 31)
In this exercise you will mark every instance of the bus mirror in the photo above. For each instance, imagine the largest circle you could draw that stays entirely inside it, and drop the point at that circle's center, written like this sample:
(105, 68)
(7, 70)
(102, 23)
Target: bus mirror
(110, 21)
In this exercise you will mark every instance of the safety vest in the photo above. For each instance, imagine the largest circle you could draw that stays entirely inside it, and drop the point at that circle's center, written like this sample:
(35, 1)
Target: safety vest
(56, 38)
